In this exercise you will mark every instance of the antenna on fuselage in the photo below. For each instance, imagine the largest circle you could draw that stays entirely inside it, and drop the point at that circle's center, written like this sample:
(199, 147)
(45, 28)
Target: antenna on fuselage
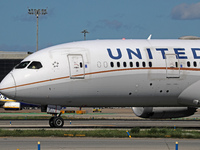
(84, 32)
(149, 38)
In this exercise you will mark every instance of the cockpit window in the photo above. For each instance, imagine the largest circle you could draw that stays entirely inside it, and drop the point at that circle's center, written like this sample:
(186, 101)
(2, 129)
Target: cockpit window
(22, 65)
(35, 65)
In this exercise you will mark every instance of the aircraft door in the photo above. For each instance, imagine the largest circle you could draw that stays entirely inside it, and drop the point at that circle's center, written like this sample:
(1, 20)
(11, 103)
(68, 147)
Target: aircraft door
(172, 66)
(76, 66)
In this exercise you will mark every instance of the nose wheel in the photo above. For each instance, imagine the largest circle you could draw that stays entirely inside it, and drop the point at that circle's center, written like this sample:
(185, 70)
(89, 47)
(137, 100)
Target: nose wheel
(56, 122)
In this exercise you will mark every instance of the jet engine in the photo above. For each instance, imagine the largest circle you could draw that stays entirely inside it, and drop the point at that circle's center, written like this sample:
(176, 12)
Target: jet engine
(163, 112)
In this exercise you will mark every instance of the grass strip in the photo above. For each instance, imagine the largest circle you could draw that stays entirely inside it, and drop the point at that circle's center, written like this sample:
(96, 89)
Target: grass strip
(152, 133)
(24, 117)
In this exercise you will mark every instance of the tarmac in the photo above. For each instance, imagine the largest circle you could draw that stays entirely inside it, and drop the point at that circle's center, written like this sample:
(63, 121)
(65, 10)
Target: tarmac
(116, 117)
(55, 143)
(108, 118)
(100, 124)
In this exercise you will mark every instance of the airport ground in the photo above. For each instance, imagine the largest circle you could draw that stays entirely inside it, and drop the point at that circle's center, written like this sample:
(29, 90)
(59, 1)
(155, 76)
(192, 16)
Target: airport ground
(109, 118)
(55, 143)
(101, 124)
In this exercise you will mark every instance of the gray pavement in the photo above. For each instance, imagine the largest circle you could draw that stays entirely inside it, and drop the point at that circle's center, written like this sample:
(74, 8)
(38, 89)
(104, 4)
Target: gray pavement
(34, 124)
(66, 143)
(54, 143)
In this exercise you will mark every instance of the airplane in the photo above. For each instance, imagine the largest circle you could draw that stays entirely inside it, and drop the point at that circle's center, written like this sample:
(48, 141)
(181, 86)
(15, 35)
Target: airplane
(10, 104)
(158, 78)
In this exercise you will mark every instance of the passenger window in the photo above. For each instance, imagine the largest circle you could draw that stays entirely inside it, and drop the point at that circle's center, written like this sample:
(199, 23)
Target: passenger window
(22, 65)
(111, 64)
(124, 63)
(137, 64)
(118, 64)
(131, 64)
(188, 64)
(143, 64)
(176, 63)
(195, 64)
(150, 64)
(35, 65)
(81, 64)
(99, 64)
(105, 64)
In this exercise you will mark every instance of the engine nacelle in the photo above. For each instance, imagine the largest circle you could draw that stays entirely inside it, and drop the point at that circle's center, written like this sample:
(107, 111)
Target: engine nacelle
(163, 112)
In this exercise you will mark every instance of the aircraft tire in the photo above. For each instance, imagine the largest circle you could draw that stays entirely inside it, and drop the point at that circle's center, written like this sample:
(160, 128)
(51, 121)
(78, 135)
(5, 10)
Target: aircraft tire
(58, 122)
(51, 122)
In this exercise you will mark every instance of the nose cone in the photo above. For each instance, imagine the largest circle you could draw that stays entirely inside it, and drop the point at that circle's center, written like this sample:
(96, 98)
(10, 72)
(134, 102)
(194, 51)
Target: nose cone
(7, 86)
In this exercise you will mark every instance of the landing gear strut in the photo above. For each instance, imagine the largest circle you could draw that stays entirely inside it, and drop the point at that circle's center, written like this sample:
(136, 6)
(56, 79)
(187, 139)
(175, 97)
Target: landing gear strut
(56, 121)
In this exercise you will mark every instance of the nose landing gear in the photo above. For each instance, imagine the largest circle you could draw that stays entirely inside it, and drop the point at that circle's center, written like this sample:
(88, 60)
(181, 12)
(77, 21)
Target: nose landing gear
(56, 122)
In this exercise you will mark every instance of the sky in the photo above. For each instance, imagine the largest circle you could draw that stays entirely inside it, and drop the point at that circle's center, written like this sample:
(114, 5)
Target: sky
(103, 19)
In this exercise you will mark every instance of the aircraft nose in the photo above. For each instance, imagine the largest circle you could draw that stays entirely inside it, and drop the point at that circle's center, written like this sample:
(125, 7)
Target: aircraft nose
(7, 86)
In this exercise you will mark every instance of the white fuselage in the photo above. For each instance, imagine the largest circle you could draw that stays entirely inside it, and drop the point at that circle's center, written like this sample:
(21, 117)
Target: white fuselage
(110, 73)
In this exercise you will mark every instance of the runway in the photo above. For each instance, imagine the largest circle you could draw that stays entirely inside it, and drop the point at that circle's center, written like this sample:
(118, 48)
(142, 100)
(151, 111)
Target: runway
(53, 143)
(112, 121)
(109, 118)
(69, 124)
